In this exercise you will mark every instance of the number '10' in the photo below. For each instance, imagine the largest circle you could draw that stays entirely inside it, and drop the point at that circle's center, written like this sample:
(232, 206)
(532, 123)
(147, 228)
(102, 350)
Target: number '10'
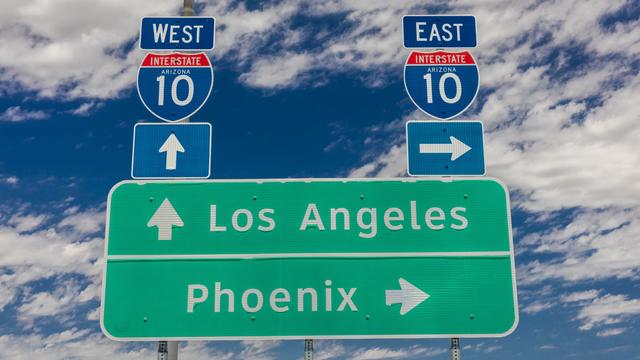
(441, 83)
(174, 90)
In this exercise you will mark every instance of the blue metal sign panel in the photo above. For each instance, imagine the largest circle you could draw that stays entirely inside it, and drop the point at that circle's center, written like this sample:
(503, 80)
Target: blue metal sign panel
(445, 148)
(175, 86)
(193, 33)
(171, 151)
(443, 84)
(439, 31)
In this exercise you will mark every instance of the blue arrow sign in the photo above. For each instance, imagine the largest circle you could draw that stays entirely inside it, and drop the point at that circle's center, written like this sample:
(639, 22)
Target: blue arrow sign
(439, 31)
(171, 151)
(445, 148)
(193, 33)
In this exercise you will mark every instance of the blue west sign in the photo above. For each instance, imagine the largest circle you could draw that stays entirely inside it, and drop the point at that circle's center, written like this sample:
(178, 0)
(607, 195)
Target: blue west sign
(193, 33)
(442, 84)
(171, 151)
(445, 148)
(175, 86)
(439, 31)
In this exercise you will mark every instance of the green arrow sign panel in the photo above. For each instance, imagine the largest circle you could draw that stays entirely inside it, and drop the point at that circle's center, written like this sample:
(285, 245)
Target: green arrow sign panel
(308, 259)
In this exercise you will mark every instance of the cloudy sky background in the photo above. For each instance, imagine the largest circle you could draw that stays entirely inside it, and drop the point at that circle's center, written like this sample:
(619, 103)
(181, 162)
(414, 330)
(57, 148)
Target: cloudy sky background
(314, 89)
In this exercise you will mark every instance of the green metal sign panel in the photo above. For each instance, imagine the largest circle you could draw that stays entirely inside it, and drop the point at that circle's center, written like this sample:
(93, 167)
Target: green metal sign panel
(293, 259)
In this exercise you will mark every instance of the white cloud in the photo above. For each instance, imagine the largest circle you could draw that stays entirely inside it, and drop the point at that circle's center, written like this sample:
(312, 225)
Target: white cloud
(398, 353)
(18, 114)
(32, 250)
(596, 244)
(85, 109)
(390, 164)
(537, 307)
(72, 48)
(28, 222)
(482, 347)
(275, 72)
(607, 310)
(580, 296)
(82, 344)
(10, 180)
(258, 350)
(326, 350)
(56, 302)
(611, 332)
(86, 222)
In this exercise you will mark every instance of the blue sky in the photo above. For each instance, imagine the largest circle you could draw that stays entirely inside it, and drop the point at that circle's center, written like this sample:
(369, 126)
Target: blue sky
(314, 89)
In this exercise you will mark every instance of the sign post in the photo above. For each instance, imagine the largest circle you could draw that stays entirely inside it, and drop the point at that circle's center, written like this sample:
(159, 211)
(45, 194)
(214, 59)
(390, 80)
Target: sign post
(443, 84)
(299, 259)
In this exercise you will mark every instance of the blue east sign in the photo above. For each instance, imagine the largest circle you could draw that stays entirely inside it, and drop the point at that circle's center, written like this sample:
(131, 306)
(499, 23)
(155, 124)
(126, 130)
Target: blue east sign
(451, 148)
(193, 33)
(439, 31)
(171, 151)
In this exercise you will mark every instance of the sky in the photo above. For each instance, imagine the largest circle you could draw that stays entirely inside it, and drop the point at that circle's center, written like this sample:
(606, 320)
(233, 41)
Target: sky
(314, 89)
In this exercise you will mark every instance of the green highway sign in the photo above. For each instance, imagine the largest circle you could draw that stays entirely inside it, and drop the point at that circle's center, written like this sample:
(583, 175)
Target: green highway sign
(298, 258)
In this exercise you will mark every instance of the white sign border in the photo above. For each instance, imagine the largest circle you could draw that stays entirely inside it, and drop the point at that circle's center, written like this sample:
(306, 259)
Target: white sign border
(311, 336)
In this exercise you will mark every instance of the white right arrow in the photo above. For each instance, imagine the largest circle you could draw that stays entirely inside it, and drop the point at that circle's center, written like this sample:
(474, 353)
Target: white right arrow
(165, 218)
(171, 146)
(408, 295)
(456, 148)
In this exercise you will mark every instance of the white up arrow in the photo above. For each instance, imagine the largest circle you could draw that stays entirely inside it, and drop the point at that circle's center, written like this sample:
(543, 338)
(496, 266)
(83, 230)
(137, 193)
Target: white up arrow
(171, 146)
(456, 148)
(165, 218)
(408, 295)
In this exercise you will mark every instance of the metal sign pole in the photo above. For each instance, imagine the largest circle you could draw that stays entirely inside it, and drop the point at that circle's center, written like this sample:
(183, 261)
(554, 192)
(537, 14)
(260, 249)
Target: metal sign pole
(168, 350)
(455, 349)
(308, 349)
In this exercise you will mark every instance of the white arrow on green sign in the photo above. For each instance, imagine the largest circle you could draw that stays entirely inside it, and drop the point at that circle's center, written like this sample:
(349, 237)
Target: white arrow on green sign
(335, 258)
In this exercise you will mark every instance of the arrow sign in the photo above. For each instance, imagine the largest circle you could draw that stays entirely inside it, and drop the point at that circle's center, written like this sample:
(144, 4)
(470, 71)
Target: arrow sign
(408, 295)
(456, 148)
(241, 270)
(429, 144)
(165, 218)
(171, 146)
(156, 147)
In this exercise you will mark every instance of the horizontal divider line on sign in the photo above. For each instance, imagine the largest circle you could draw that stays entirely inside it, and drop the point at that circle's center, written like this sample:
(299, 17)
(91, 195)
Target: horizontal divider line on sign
(310, 255)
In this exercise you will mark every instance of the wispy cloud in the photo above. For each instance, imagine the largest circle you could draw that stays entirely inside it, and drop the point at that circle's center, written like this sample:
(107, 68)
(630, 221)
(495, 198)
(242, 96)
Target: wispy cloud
(611, 332)
(76, 50)
(607, 310)
(37, 246)
(9, 180)
(18, 114)
(85, 109)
